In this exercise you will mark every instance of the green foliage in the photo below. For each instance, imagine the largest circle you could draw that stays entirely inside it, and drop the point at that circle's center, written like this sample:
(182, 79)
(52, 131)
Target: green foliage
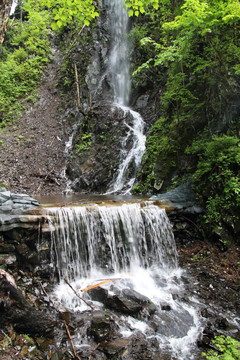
(163, 146)
(24, 55)
(217, 175)
(229, 349)
(137, 7)
(84, 143)
(200, 48)
(65, 12)
(195, 44)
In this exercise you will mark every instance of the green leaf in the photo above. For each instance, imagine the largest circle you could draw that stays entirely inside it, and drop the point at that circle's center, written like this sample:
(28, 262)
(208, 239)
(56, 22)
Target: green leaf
(130, 12)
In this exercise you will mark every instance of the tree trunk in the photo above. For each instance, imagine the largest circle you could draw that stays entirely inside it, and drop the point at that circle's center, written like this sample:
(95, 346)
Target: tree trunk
(5, 7)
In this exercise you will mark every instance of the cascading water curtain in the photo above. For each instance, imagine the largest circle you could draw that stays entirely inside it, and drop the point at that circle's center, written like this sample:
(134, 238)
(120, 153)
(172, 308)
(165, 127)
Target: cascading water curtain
(111, 238)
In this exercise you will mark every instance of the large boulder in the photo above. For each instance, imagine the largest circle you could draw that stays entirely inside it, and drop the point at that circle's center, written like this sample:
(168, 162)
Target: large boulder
(181, 198)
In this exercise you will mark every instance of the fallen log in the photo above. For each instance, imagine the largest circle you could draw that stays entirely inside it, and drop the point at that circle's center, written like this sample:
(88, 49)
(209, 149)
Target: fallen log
(15, 310)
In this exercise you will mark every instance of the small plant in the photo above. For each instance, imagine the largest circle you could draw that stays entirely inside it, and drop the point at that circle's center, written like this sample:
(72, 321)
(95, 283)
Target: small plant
(21, 137)
(137, 189)
(85, 143)
(197, 257)
(229, 349)
(3, 124)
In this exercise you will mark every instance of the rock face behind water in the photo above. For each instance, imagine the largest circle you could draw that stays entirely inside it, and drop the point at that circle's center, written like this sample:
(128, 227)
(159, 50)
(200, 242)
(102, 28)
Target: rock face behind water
(94, 158)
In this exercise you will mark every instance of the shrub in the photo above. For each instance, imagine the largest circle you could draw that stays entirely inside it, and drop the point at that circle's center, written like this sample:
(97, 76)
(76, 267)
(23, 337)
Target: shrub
(217, 175)
(229, 349)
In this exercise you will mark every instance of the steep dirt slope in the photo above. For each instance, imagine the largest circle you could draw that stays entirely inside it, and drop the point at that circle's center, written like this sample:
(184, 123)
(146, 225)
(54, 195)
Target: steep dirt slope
(32, 155)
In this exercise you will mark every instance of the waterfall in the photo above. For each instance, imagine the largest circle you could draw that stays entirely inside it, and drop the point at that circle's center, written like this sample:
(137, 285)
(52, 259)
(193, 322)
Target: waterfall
(130, 160)
(119, 70)
(110, 239)
(119, 57)
(129, 248)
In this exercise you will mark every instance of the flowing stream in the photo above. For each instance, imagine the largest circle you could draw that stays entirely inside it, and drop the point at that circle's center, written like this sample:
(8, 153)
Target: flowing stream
(119, 70)
(131, 244)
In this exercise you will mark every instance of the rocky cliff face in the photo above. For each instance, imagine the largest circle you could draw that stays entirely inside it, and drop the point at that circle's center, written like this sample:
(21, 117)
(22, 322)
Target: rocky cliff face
(95, 154)
(94, 157)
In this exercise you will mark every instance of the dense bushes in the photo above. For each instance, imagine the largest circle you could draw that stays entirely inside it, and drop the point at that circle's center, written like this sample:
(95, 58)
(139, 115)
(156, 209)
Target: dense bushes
(22, 58)
(217, 175)
(194, 57)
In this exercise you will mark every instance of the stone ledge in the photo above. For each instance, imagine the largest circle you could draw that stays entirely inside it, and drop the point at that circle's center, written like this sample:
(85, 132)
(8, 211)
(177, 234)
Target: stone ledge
(13, 211)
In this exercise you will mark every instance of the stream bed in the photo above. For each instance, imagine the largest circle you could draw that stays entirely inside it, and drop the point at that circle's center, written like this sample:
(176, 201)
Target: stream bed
(125, 255)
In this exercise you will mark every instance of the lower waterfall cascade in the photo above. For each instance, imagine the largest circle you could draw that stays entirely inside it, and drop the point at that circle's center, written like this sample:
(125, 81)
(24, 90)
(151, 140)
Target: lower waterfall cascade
(126, 247)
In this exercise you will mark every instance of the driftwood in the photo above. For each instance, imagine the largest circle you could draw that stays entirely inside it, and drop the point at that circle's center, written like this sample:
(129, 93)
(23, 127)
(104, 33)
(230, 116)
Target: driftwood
(15, 310)
(48, 177)
(70, 338)
(78, 95)
(78, 295)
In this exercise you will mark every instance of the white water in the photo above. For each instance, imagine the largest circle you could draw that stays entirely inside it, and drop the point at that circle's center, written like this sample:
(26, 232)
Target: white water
(133, 245)
(119, 70)
(68, 148)
(119, 64)
(125, 177)
(111, 239)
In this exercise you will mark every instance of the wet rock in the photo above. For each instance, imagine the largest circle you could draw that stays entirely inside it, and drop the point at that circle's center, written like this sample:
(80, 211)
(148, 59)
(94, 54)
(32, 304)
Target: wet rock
(26, 255)
(142, 102)
(143, 349)
(93, 164)
(13, 208)
(181, 198)
(166, 307)
(135, 296)
(123, 305)
(148, 308)
(57, 355)
(98, 294)
(18, 312)
(221, 323)
(6, 248)
(119, 347)
(101, 326)
(7, 259)
(118, 303)
(10, 202)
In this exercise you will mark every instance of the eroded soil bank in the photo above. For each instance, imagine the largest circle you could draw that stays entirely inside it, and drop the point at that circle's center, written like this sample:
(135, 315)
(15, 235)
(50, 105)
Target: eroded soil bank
(32, 152)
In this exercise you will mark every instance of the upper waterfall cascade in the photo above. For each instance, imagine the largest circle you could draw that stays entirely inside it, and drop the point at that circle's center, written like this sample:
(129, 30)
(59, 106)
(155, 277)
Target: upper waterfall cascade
(119, 71)
(119, 63)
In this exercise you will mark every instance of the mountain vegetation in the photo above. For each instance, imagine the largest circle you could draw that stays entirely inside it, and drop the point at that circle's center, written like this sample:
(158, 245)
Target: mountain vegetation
(187, 51)
(191, 50)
